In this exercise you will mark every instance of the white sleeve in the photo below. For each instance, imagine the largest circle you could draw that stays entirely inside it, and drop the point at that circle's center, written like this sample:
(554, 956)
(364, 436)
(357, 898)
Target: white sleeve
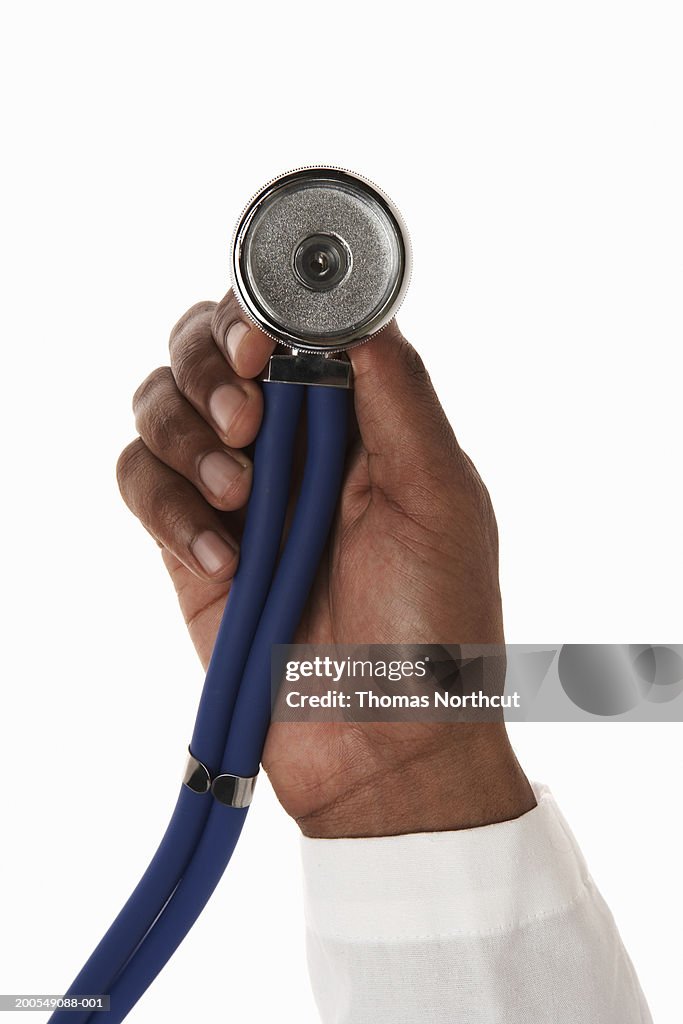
(493, 925)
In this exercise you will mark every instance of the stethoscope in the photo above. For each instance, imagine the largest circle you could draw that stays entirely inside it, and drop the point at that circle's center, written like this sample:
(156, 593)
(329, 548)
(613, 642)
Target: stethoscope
(320, 262)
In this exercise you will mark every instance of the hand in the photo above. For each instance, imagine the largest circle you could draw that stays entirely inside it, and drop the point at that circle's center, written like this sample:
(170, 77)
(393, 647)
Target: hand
(412, 558)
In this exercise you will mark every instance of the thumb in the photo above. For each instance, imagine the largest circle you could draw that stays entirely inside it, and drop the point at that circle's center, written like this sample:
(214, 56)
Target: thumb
(401, 421)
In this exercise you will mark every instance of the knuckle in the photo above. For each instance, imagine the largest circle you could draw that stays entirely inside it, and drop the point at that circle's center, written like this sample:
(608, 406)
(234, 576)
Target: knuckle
(166, 505)
(188, 356)
(129, 464)
(154, 419)
(200, 310)
(151, 386)
(157, 497)
(159, 428)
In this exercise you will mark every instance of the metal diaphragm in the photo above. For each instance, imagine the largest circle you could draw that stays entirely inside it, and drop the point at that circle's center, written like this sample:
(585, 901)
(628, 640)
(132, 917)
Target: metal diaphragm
(321, 259)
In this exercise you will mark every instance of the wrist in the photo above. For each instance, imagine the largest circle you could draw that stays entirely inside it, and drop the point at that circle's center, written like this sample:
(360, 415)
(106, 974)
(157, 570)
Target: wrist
(469, 777)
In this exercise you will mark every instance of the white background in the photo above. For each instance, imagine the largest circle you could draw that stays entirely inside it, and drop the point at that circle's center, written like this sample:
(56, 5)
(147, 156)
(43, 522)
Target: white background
(535, 150)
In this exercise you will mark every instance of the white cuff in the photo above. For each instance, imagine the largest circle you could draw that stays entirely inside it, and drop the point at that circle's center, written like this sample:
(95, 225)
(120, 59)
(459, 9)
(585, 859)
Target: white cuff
(440, 884)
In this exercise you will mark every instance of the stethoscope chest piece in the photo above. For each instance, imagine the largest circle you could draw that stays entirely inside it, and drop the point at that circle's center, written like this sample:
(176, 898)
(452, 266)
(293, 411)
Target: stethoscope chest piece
(321, 259)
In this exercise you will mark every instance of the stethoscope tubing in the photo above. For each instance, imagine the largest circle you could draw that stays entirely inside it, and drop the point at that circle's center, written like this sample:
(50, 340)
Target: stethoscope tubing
(260, 545)
(267, 509)
(326, 448)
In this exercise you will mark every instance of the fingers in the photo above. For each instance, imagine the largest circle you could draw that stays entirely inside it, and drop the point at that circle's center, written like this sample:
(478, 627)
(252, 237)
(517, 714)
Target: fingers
(194, 418)
(401, 422)
(231, 405)
(178, 436)
(176, 514)
(246, 348)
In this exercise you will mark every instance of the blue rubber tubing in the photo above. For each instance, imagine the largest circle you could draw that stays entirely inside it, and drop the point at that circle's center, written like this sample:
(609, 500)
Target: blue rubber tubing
(327, 432)
(259, 550)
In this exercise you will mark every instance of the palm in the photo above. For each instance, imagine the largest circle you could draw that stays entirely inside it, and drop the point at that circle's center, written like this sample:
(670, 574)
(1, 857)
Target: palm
(379, 582)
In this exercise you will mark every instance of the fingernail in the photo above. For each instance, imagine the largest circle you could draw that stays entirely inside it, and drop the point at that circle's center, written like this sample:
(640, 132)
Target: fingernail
(212, 552)
(218, 472)
(224, 404)
(234, 337)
